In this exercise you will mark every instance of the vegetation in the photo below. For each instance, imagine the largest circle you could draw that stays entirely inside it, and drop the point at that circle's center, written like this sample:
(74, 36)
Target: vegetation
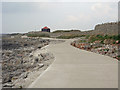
(38, 35)
(103, 37)
(58, 31)
(82, 41)
(87, 36)
(70, 36)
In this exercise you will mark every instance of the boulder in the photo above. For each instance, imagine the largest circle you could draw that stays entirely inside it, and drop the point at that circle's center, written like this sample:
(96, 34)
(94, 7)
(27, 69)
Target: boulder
(24, 75)
(8, 85)
(41, 65)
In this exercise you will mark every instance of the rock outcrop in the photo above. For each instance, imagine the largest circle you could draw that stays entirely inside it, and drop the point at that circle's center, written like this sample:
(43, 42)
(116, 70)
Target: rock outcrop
(20, 56)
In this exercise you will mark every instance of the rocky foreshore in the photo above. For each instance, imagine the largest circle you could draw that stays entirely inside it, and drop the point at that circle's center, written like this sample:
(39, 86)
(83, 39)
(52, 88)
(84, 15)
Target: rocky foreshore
(21, 57)
(96, 47)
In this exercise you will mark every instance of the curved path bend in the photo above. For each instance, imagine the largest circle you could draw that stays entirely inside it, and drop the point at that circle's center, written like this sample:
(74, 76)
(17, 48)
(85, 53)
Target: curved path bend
(75, 68)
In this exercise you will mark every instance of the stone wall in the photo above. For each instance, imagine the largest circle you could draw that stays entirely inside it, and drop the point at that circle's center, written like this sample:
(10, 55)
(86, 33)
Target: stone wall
(106, 28)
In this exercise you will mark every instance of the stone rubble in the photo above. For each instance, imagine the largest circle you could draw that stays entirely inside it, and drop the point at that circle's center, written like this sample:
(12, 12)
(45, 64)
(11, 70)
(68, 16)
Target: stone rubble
(19, 59)
(104, 49)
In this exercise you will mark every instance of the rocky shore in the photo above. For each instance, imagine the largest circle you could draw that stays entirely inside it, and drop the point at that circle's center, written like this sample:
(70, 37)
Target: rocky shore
(23, 59)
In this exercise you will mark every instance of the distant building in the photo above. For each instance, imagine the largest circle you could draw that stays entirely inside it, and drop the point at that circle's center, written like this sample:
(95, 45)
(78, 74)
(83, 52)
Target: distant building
(45, 29)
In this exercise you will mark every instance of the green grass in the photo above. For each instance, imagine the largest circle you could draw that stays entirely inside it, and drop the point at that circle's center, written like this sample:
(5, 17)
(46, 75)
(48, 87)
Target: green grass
(82, 41)
(69, 36)
(103, 37)
(58, 31)
(38, 35)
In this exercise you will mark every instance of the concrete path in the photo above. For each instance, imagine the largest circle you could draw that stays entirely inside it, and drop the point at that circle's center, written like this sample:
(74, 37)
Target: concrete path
(75, 68)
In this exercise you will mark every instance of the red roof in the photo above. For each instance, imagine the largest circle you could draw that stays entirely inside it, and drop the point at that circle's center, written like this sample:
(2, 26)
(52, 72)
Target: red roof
(45, 28)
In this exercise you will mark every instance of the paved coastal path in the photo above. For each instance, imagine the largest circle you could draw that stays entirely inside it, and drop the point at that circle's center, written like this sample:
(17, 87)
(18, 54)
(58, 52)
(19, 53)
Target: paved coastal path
(75, 68)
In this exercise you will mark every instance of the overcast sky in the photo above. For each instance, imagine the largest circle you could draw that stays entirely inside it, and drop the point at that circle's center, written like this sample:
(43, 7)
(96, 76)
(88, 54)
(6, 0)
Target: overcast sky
(29, 16)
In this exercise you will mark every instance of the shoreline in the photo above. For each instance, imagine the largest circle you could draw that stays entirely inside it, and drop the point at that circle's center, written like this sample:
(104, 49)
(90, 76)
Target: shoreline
(22, 57)
(32, 76)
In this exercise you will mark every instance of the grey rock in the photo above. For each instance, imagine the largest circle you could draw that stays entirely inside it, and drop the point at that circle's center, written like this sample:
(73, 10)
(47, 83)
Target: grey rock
(18, 58)
(41, 65)
(8, 85)
(24, 75)
(36, 59)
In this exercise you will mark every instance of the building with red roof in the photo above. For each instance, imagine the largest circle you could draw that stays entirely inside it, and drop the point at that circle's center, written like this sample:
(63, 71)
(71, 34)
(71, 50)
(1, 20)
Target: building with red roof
(45, 29)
